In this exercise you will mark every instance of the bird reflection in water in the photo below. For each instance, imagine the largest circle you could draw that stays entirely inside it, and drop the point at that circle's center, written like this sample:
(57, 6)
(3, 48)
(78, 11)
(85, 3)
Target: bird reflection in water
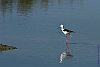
(65, 55)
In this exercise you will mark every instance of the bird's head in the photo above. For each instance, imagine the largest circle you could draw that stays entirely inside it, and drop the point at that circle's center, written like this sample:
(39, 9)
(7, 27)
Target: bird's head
(61, 26)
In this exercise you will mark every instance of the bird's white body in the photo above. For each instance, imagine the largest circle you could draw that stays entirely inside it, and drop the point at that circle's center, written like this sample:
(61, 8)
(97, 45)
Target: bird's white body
(62, 29)
(65, 31)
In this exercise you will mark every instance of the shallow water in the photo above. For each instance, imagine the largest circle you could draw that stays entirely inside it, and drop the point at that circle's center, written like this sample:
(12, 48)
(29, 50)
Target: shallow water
(32, 26)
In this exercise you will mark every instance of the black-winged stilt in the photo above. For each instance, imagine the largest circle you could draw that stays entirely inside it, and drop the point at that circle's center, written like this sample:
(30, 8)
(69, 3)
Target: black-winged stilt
(65, 31)
(67, 52)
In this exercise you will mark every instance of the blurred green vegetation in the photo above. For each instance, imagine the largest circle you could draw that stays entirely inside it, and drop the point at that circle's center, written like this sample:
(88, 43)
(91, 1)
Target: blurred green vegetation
(6, 47)
(21, 6)
(25, 7)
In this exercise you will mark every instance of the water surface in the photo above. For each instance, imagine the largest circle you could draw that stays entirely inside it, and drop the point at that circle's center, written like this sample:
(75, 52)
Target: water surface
(31, 26)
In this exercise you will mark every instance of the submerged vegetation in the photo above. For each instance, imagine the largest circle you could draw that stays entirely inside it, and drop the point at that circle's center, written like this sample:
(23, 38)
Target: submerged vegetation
(6, 47)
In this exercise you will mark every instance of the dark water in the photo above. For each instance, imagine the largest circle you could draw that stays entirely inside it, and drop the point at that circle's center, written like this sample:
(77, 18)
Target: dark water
(31, 26)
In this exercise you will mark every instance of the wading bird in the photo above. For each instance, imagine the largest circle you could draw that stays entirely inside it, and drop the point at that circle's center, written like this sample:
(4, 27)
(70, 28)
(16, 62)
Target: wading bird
(67, 52)
(65, 31)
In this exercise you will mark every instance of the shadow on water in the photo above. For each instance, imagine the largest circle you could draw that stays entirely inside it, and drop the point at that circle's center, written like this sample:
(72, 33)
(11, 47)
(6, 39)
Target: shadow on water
(83, 43)
(24, 7)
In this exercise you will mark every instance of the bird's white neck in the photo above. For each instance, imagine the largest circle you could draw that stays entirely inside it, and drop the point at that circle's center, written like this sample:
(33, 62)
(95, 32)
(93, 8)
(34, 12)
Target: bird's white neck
(62, 28)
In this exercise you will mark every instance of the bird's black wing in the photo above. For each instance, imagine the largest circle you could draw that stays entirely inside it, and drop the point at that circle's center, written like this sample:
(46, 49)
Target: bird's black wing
(70, 31)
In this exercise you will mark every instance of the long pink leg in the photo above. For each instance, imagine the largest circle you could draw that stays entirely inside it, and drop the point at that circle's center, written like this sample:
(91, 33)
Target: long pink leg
(67, 47)
(66, 41)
